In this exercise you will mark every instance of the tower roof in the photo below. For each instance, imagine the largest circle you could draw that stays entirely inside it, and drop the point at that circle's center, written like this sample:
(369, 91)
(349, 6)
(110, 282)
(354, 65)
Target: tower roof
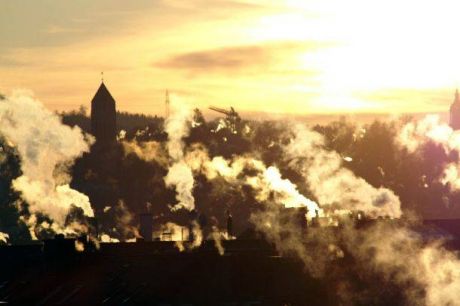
(103, 95)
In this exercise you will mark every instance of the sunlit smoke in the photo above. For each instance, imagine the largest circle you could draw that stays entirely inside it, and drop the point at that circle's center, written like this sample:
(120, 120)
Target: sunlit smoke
(46, 151)
(146, 150)
(179, 175)
(106, 238)
(285, 191)
(334, 186)
(123, 218)
(416, 134)
(267, 182)
(428, 273)
(4, 237)
(217, 237)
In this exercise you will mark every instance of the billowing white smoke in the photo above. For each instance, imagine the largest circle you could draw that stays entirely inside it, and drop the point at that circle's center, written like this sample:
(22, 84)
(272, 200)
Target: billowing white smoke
(4, 237)
(334, 186)
(46, 148)
(415, 134)
(179, 174)
(270, 182)
(267, 182)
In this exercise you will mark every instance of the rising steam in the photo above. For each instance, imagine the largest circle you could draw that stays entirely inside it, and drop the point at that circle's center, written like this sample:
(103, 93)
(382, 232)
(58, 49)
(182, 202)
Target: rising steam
(179, 174)
(416, 134)
(46, 148)
(334, 186)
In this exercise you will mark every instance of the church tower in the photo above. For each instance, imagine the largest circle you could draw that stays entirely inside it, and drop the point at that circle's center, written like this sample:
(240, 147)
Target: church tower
(455, 112)
(103, 116)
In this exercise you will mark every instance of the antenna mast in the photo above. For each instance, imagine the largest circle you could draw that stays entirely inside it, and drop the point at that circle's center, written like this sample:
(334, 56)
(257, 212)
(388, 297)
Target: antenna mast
(167, 104)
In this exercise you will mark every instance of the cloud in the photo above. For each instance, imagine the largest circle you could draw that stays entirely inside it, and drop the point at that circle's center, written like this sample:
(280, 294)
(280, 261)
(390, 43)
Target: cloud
(237, 58)
(231, 58)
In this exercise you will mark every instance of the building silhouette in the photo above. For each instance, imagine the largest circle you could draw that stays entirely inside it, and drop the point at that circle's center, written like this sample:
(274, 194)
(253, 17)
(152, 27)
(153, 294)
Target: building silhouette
(455, 112)
(103, 116)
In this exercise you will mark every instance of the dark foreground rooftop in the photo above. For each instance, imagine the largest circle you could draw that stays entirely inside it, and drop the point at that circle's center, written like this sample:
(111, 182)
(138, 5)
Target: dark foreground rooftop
(154, 273)
(250, 272)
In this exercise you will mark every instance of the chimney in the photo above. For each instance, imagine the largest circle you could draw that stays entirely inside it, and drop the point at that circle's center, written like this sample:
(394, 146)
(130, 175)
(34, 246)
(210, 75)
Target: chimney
(146, 226)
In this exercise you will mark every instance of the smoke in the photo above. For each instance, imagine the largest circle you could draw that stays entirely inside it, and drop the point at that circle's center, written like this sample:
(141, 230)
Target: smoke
(79, 246)
(428, 273)
(388, 250)
(417, 134)
(171, 231)
(335, 187)
(148, 151)
(425, 272)
(247, 170)
(107, 239)
(122, 226)
(179, 174)
(270, 183)
(217, 237)
(47, 148)
(4, 237)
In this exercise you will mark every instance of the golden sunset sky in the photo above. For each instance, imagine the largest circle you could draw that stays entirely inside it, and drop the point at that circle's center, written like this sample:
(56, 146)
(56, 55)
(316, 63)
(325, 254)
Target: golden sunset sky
(294, 57)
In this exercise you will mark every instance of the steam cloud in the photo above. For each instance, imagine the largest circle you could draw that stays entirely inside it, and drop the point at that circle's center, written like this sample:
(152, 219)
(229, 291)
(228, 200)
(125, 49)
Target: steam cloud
(333, 185)
(46, 148)
(415, 134)
(4, 238)
(179, 174)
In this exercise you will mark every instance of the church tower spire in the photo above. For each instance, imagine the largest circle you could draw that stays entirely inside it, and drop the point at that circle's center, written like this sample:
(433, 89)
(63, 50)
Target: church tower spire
(103, 116)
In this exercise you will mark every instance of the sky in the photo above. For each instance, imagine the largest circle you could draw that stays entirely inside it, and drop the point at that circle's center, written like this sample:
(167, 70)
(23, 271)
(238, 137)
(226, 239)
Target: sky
(268, 56)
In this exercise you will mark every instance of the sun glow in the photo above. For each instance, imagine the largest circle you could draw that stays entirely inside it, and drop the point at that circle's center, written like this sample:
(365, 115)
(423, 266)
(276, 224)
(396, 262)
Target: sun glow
(373, 46)
(326, 55)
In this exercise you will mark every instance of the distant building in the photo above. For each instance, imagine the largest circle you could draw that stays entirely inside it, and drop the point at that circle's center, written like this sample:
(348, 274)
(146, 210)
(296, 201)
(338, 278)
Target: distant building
(103, 116)
(455, 112)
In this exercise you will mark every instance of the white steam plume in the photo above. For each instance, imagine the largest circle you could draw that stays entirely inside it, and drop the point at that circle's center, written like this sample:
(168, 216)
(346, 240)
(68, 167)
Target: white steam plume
(415, 134)
(333, 185)
(266, 182)
(47, 148)
(4, 237)
(179, 174)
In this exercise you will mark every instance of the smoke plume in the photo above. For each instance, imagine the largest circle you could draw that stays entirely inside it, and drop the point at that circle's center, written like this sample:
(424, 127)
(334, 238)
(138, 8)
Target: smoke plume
(334, 186)
(46, 148)
(179, 174)
(416, 134)
(4, 237)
